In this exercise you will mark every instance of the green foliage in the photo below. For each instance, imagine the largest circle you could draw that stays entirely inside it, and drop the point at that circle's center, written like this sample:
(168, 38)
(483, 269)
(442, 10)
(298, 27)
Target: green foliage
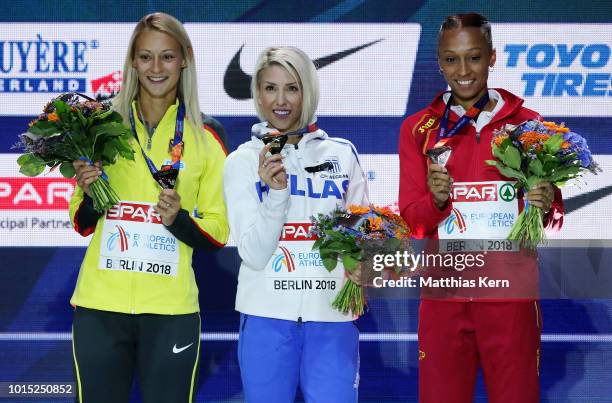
(336, 244)
(44, 128)
(497, 151)
(512, 158)
(67, 170)
(329, 258)
(532, 162)
(533, 180)
(535, 167)
(553, 144)
(62, 109)
(31, 165)
(67, 131)
(98, 135)
(564, 173)
(104, 115)
(82, 120)
(550, 162)
(507, 171)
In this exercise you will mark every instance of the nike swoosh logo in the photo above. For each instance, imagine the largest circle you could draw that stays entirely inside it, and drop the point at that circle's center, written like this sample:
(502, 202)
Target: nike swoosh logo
(237, 83)
(176, 350)
(574, 203)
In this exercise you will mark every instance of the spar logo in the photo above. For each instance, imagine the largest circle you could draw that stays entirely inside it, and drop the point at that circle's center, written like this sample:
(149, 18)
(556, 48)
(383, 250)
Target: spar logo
(283, 260)
(41, 65)
(477, 192)
(119, 237)
(297, 232)
(137, 212)
(507, 192)
(19, 193)
(455, 220)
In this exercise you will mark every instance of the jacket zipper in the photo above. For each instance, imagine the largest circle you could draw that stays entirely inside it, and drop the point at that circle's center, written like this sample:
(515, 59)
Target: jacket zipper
(298, 161)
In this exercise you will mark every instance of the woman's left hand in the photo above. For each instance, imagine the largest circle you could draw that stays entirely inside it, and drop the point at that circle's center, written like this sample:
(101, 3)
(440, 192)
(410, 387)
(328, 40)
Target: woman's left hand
(355, 275)
(542, 196)
(168, 206)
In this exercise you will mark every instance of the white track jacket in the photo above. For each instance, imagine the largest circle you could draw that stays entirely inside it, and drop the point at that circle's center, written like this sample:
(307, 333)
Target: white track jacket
(281, 276)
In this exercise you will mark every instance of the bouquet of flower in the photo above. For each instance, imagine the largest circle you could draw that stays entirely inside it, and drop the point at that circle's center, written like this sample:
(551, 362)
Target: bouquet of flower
(69, 129)
(535, 152)
(342, 234)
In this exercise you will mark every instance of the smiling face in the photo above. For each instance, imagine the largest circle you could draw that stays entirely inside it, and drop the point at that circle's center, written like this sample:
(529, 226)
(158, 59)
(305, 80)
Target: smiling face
(158, 61)
(279, 98)
(465, 57)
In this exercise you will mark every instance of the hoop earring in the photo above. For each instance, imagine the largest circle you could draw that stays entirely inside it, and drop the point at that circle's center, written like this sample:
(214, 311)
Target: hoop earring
(440, 72)
(491, 69)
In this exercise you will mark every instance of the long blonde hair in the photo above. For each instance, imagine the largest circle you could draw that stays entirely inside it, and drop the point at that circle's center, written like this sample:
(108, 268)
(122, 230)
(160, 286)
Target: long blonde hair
(187, 86)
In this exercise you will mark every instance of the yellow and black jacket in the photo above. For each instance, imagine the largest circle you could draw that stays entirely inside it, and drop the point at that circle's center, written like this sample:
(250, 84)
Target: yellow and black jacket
(201, 223)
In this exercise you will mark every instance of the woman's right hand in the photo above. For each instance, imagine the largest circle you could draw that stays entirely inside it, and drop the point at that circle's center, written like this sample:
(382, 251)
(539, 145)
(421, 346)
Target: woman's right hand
(271, 169)
(86, 174)
(439, 182)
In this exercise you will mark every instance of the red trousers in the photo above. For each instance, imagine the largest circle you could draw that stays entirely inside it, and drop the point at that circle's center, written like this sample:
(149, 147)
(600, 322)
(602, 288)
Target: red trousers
(456, 337)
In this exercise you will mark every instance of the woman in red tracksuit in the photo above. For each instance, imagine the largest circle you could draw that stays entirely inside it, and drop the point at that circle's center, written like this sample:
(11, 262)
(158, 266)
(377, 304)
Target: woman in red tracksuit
(456, 335)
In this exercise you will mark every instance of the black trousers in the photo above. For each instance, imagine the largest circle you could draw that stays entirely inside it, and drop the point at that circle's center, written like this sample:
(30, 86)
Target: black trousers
(109, 347)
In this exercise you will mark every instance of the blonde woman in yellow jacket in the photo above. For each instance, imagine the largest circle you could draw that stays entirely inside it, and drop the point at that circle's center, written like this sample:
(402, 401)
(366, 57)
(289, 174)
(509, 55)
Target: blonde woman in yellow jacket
(136, 299)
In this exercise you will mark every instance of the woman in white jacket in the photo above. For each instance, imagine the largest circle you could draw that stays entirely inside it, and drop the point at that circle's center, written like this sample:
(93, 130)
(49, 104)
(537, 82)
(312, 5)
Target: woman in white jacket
(289, 333)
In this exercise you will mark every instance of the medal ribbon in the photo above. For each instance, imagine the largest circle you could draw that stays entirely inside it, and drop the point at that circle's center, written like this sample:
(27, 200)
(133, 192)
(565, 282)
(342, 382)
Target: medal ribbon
(308, 129)
(444, 134)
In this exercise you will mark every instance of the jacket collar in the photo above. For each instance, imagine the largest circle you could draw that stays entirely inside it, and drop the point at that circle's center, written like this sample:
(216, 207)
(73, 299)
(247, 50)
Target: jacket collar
(511, 104)
(260, 129)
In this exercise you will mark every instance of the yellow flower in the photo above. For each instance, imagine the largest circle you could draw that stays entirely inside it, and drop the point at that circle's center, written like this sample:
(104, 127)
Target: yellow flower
(375, 223)
(528, 139)
(500, 139)
(355, 209)
(384, 211)
(555, 127)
